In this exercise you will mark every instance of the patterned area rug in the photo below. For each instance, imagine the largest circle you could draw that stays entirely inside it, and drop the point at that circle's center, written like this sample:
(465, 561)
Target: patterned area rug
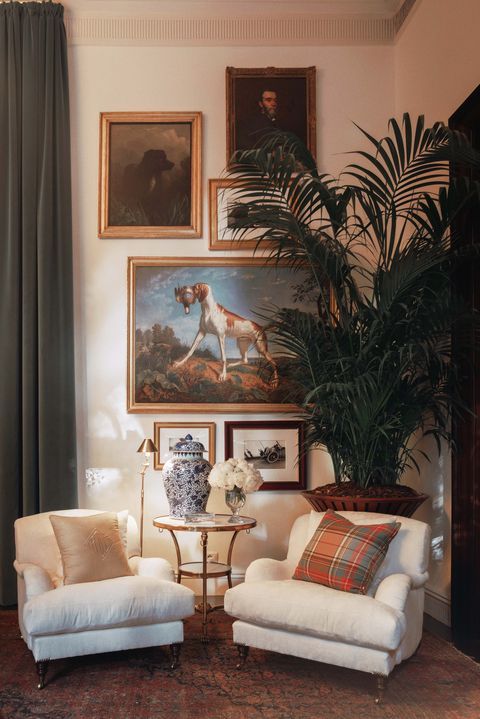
(437, 683)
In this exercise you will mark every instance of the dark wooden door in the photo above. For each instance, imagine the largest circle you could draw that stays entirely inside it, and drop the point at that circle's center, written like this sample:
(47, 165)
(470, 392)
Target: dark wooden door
(466, 431)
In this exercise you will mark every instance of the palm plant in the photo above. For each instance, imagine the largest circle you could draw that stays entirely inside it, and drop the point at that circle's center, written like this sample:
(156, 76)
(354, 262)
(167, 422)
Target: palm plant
(374, 362)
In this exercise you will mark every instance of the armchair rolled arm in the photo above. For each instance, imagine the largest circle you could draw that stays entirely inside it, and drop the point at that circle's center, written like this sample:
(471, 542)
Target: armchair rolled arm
(152, 567)
(393, 590)
(261, 570)
(37, 580)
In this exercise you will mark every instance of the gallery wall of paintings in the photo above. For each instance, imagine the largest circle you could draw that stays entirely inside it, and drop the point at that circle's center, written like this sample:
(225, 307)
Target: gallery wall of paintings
(121, 66)
(150, 187)
(152, 128)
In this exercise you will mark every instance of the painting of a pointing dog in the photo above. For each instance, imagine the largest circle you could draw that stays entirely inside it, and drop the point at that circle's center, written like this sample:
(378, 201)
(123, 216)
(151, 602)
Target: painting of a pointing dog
(197, 338)
(222, 323)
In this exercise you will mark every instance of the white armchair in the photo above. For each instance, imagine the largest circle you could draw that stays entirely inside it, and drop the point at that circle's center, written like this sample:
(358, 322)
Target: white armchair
(371, 633)
(127, 612)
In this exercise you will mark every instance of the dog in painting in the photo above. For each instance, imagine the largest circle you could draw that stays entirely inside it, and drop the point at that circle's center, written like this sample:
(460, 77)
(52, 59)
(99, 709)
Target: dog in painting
(222, 323)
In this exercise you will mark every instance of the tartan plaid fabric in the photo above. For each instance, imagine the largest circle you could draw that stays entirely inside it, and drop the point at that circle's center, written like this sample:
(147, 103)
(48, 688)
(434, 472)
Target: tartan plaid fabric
(343, 555)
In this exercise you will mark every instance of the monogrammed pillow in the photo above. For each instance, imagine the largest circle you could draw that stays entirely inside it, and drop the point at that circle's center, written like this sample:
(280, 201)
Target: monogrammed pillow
(91, 547)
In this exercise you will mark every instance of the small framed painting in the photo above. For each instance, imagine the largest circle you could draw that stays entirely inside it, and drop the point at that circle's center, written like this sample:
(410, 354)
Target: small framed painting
(223, 214)
(150, 175)
(275, 448)
(167, 434)
(265, 99)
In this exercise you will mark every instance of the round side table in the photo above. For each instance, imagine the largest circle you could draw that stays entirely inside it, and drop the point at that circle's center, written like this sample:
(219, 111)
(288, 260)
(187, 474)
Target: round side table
(205, 570)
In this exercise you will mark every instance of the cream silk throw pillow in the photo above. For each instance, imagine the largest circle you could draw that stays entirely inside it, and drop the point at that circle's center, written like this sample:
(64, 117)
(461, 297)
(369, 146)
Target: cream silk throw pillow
(91, 547)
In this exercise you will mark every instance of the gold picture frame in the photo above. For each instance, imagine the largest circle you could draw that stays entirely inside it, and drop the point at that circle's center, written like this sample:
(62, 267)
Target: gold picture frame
(172, 367)
(220, 236)
(150, 175)
(248, 117)
(164, 435)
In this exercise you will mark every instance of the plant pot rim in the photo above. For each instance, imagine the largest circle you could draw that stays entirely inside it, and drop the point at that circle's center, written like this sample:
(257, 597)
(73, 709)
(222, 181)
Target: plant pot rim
(393, 490)
(401, 504)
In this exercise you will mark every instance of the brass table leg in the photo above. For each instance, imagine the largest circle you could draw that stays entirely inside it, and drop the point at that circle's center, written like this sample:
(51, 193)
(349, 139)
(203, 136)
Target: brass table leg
(179, 556)
(229, 557)
(204, 542)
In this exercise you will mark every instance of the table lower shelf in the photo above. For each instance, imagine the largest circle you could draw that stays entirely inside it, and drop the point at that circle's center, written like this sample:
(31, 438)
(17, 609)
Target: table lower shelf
(209, 608)
(195, 569)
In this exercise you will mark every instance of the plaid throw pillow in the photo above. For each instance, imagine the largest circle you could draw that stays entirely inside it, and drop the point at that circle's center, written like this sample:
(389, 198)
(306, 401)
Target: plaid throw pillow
(343, 555)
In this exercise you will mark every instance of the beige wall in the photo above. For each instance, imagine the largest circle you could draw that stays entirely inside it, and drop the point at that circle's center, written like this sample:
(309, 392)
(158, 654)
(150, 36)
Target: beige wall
(437, 57)
(437, 61)
(353, 84)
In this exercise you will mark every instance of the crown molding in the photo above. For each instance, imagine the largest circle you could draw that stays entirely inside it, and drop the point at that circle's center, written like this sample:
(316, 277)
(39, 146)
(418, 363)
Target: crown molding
(385, 8)
(199, 28)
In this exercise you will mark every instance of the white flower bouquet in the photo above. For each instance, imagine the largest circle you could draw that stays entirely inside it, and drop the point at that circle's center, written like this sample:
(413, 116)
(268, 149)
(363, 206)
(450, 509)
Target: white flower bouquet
(235, 473)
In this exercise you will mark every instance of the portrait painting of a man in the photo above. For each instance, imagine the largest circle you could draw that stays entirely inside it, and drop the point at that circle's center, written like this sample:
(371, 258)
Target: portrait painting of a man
(260, 100)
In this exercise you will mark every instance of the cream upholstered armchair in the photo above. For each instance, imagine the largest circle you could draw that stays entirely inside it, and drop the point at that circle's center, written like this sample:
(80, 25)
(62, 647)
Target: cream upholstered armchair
(142, 607)
(370, 632)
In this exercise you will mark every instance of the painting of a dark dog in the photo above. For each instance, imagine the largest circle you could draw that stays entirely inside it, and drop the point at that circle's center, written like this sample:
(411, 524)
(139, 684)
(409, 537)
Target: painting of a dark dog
(143, 188)
(150, 175)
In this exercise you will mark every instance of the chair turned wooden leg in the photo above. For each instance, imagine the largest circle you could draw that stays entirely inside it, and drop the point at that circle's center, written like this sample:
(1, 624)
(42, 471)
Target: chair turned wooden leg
(175, 655)
(381, 681)
(243, 654)
(42, 672)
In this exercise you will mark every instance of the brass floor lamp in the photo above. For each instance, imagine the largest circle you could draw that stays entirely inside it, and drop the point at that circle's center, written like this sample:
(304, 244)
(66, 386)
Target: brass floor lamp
(147, 447)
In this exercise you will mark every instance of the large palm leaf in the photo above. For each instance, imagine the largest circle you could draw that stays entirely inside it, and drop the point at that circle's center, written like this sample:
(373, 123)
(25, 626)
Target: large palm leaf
(375, 364)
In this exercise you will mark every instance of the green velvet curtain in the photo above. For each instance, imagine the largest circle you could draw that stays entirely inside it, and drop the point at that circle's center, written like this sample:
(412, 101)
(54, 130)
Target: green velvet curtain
(37, 401)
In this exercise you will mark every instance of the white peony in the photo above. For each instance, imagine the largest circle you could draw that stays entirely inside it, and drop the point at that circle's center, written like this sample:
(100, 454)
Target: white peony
(235, 473)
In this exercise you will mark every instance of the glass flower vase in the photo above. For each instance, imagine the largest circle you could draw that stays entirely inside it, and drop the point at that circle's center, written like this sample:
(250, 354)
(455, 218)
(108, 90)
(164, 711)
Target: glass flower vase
(235, 499)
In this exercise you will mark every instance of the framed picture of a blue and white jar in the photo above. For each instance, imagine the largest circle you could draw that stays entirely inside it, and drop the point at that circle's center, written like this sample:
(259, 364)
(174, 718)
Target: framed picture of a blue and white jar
(275, 448)
(197, 337)
(167, 434)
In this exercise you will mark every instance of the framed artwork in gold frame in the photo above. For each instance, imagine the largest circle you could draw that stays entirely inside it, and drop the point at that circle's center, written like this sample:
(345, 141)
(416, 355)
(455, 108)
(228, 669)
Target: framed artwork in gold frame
(220, 199)
(150, 175)
(167, 434)
(180, 362)
(263, 99)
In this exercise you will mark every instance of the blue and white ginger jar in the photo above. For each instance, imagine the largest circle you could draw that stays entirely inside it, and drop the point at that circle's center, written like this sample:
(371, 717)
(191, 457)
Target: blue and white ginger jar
(185, 477)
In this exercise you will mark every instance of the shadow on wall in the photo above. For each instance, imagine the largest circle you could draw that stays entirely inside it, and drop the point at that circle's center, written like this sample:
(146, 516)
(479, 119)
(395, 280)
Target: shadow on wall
(434, 479)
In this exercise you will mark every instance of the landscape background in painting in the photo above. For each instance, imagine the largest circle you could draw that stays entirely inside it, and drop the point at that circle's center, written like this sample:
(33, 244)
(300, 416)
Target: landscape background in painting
(163, 334)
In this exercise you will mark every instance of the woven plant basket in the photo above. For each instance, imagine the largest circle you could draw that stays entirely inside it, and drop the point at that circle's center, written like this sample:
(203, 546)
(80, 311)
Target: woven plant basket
(401, 505)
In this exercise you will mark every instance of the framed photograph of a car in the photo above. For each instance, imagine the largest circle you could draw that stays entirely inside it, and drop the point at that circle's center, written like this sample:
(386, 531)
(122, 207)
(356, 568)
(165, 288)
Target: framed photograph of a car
(275, 448)
(197, 337)
(150, 175)
(263, 99)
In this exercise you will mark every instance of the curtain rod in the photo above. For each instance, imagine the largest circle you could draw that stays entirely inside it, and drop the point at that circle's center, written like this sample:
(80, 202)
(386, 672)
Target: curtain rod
(24, 2)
